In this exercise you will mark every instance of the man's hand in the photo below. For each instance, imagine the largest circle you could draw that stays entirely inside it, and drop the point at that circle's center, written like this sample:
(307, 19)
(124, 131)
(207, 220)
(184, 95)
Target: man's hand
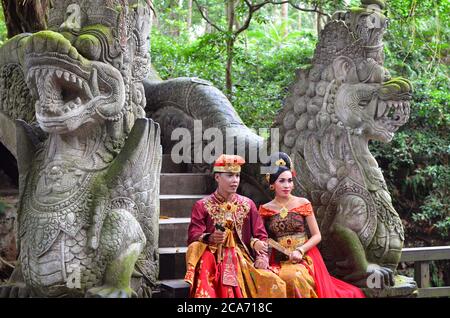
(217, 237)
(261, 248)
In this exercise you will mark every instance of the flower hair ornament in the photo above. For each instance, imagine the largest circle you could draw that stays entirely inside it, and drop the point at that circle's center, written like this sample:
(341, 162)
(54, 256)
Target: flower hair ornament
(281, 162)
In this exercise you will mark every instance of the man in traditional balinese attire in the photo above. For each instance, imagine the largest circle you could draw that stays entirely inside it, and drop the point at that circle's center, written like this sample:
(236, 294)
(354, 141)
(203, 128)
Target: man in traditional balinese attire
(227, 253)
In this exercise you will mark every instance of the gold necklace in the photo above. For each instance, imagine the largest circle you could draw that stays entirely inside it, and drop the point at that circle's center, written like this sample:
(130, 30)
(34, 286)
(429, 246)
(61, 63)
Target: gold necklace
(284, 210)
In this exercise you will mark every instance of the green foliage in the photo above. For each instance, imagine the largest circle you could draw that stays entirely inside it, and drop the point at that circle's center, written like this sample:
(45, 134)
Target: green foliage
(3, 30)
(262, 72)
(176, 57)
(264, 75)
(433, 182)
(415, 163)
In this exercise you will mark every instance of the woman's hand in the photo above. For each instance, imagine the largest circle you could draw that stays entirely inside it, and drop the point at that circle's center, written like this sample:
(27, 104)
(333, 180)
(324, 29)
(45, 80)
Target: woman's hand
(296, 256)
(261, 247)
(262, 262)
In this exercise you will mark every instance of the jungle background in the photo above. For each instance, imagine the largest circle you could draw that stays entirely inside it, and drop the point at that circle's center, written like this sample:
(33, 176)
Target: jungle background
(251, 50)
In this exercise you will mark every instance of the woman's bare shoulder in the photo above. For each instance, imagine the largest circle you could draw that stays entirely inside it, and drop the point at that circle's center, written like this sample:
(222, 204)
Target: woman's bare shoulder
(269, 205)
(300, 200)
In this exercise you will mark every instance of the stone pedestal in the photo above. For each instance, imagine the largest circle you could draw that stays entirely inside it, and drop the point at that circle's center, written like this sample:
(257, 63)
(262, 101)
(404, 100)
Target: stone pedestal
(405, 287)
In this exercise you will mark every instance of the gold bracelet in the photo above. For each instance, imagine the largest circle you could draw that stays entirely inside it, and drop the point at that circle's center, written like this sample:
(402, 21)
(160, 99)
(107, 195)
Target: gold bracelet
(253, 242)
(300, 250)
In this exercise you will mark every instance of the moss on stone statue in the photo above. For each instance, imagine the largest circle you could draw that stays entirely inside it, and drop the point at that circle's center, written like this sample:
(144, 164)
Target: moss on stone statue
(50, 34)
(102, 29)
(119, 271)
(350, 242)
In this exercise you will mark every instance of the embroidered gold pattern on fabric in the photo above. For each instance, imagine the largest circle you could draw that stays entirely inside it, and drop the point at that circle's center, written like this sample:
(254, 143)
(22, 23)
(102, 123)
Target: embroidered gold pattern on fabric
(229, 213)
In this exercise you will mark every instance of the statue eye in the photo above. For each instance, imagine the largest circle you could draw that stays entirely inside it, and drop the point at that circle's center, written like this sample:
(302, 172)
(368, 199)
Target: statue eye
(364, 102)
(88, 46)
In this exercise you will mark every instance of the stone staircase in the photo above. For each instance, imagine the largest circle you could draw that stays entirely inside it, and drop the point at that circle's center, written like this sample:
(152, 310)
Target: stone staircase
(179, 191)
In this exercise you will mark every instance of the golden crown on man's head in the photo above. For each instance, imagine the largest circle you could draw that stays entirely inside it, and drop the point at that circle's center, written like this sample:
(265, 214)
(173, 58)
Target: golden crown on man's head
(228, 163)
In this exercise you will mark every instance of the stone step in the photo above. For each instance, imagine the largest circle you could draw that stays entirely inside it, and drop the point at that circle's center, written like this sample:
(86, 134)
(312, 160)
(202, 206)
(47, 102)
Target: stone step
(174, 288)
(178, 205)
(172, 262)
(173, 232)
(168, 166)
(186, 183)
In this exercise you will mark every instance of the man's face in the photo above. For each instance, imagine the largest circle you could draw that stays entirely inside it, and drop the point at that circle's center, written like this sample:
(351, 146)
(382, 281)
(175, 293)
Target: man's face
(227, 182)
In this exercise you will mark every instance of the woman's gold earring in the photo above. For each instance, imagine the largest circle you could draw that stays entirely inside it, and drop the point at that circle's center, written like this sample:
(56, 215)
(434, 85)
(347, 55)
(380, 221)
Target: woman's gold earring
(272, 187)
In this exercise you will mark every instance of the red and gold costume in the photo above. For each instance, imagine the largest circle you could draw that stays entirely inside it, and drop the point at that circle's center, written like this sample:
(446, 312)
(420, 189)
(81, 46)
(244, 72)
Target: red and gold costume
(309, 278)
(227, 270)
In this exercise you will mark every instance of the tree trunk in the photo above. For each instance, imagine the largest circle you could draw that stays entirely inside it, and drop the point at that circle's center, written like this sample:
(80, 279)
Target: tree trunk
(208, 28)
(172, 7)
(318, 26)
(275, 12)
(285, 17)
(155, 21)
(230, 47)
(25, 16)
(228, 74)
(318, 21)
(299, 21)
(189, 15)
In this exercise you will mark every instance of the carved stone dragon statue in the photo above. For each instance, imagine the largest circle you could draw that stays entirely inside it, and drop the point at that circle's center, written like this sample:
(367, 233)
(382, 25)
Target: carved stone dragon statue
(87, 81)
(335, 107)
(89, 169)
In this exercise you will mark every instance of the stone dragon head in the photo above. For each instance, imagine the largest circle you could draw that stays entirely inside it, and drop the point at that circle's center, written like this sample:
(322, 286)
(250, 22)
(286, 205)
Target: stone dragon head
(87, 69)
(347, 85)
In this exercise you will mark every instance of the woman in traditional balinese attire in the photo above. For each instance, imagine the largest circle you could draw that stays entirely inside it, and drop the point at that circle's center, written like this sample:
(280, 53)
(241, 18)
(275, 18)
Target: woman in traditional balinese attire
(294, 255)
(227, 253)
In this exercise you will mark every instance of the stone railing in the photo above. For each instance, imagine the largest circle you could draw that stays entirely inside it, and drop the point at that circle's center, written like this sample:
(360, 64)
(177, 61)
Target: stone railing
(422, 256)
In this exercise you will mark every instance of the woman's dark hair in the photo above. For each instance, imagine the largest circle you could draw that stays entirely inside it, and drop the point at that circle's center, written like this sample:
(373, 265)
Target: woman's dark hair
(282, 163)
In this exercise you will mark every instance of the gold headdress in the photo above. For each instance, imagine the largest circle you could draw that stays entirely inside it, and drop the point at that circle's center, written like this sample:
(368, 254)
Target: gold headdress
(228, 163)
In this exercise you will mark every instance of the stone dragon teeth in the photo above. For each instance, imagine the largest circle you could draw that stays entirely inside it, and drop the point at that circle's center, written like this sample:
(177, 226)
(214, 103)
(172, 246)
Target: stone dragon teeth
(393, 114)
(52, 84)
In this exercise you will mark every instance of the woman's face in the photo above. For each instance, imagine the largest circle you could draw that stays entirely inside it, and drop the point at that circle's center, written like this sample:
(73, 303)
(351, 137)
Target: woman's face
(284, 184)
